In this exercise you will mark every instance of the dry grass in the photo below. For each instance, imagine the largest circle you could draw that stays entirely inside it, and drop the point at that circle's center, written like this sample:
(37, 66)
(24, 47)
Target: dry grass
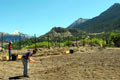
(90, 64)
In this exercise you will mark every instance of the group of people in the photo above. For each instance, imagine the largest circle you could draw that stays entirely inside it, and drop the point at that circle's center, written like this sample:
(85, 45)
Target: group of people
(26, 58)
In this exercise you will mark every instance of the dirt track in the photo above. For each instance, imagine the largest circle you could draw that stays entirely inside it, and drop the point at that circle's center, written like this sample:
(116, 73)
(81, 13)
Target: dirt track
(95, 65)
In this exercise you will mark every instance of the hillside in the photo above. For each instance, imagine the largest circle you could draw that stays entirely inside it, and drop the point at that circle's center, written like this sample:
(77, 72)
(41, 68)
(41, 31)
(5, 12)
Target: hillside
(108, 21)
(63, 32)
(56, 34)
(77, 22)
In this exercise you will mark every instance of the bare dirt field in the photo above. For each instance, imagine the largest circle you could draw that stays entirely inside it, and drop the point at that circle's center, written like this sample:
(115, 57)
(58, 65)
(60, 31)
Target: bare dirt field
(94, 64)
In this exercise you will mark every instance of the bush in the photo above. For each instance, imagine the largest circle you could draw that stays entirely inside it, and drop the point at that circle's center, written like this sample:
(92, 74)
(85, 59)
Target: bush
(115, 37)
(40, 44)
(93, 42)
(68, 43)
(44, 44)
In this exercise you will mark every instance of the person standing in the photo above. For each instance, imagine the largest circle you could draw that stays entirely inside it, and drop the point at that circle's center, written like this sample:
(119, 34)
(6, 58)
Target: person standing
(10, 50)
(26, 58)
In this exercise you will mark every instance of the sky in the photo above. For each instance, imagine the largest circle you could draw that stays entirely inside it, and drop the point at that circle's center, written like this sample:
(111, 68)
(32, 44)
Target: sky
(40, 16)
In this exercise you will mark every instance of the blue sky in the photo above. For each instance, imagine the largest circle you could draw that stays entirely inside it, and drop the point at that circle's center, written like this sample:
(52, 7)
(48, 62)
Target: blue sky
(40, 16)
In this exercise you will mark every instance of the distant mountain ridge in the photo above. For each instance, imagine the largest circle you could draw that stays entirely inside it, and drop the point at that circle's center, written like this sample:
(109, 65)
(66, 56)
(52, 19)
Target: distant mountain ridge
(15, 36)
(16, 33)
(77, 22)
(63, 32)
(109, 20)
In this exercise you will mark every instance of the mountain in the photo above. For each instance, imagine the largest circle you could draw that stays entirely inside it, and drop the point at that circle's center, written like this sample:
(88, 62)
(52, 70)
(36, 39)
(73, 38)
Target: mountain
(15, 36)
(20, 34)
(63, 32)
(16, 33)
(108, 21)
(77, 22)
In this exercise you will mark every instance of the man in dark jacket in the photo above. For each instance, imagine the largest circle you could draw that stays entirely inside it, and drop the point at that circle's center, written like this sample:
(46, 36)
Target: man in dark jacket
(26, 58)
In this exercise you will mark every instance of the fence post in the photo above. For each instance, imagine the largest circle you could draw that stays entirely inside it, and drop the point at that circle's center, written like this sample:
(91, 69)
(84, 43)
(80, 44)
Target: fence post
(59, 41)
(2, 40)
(83, 42)
(48, 43)
(19, 41)
(68, 42)
(35, 41)
(76, 42)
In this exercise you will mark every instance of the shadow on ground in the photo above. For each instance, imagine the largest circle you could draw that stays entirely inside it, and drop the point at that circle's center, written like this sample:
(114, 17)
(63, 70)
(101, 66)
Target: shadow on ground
(16, 77)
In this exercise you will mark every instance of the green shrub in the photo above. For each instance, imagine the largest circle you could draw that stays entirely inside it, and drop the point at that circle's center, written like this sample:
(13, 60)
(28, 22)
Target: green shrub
(40, 44)
(44, 44)
(68, 43)
(93, 42)
(115, 37)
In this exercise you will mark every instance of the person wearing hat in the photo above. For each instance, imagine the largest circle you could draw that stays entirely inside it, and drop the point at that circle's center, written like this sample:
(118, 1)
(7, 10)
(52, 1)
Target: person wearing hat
(26, 58)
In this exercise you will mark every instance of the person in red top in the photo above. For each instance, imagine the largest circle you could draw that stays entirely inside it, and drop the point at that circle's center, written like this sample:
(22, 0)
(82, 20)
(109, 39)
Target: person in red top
(10, 48)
